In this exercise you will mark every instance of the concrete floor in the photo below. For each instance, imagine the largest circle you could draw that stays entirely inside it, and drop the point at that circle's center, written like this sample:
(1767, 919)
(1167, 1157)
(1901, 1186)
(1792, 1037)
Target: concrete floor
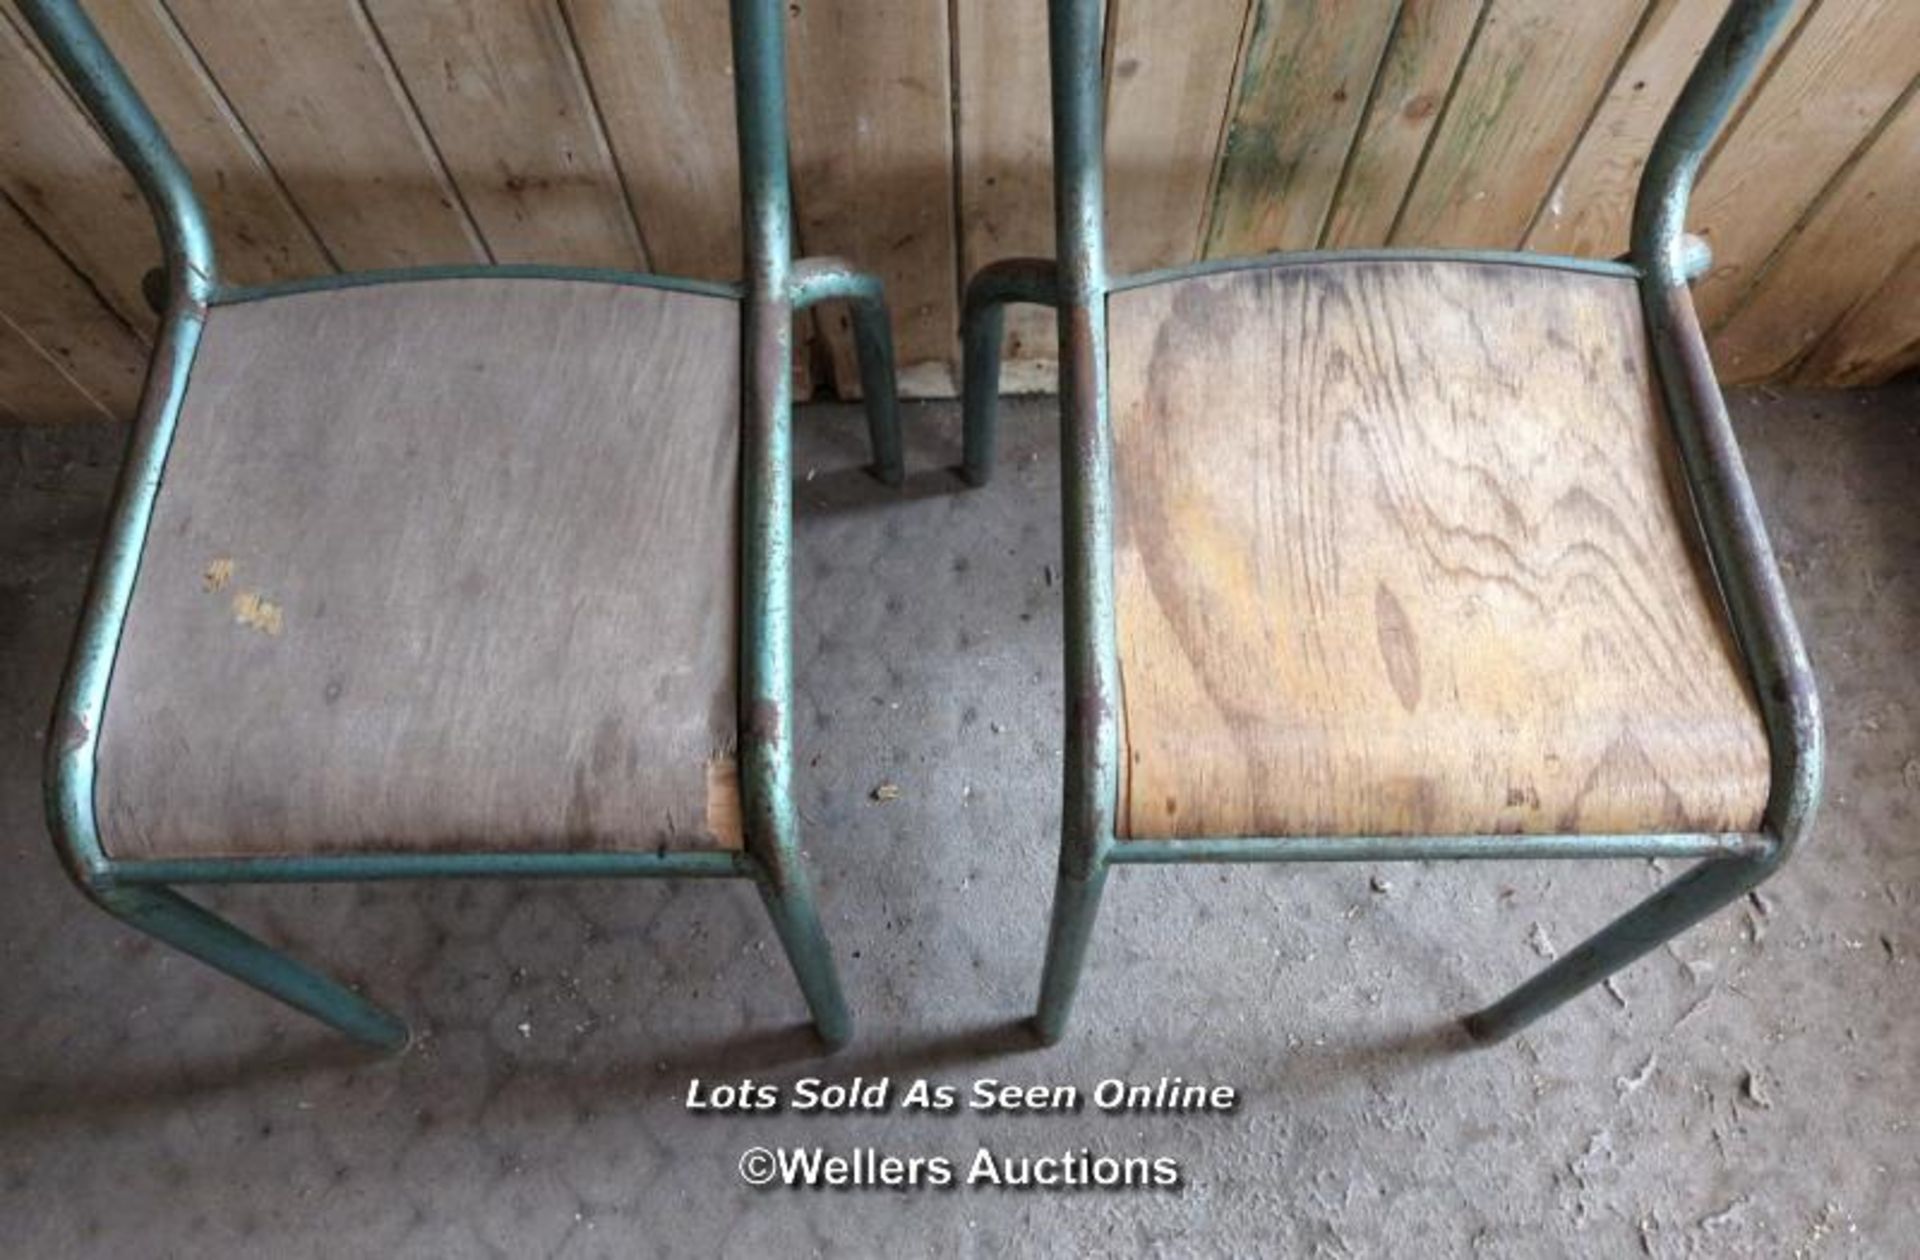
(1750, 1090)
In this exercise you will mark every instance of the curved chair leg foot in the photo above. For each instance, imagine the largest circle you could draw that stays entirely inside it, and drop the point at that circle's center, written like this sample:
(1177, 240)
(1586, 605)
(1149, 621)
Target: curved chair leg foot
(1667, 913)
(1076, 905)
(166, 915)
(879, 390)
(980, 389)
(797, 921)
(816, 280)
(982, 323)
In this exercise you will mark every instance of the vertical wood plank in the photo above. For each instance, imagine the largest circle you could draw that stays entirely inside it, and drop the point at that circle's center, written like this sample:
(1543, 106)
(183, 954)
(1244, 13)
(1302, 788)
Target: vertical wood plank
(33, 389)
(1834, 83)
(873, 171)
(258, 235)
(1424, 56)
(59, 172)
(662, 76)
(600, 131)
(1524, 95)
(317, 92)
(1005, 163)
(502, 94)
(50, 304)
(1169, 88)
(1861, 231)
(1303, 86)
(1589, 209)
(1875, 342)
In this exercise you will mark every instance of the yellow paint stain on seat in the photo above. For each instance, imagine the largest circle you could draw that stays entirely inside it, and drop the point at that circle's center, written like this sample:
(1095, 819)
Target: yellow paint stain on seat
(725, 818)
(256, 613)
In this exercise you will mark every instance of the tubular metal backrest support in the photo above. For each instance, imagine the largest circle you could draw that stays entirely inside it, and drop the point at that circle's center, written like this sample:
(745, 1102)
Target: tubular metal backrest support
(1729, 517)
(187, 246)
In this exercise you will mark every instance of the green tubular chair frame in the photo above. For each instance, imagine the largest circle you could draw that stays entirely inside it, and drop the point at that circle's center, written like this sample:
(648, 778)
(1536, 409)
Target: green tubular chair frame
(775, 288)
(1662, 262)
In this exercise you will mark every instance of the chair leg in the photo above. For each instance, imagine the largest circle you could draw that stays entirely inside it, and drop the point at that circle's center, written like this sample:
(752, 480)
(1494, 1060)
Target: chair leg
(1667, 913)
(984, 326)
(166, 915)
(790, 904)
(879, 389)
(816, 280)
(983, 322)
(1076, 905)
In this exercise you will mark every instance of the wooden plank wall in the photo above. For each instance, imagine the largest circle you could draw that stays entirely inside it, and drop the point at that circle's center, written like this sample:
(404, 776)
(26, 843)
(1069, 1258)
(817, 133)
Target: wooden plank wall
(341, 134)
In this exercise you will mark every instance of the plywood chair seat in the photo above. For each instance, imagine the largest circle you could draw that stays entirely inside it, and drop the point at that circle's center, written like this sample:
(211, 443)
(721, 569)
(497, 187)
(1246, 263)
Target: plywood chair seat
(439, 565)
(1401, 549)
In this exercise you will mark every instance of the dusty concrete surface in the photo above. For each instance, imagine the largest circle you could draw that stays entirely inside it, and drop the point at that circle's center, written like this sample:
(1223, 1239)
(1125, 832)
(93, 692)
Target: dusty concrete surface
(1751, 1090)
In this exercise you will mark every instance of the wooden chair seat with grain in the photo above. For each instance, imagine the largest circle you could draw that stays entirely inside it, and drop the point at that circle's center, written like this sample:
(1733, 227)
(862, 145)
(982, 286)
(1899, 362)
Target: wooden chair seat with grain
(1401, 548)
(441, 565)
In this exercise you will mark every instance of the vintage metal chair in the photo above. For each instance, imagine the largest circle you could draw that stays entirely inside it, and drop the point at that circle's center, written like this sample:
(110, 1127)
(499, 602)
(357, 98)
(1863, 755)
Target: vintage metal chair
(1408, 554)
(448, 572)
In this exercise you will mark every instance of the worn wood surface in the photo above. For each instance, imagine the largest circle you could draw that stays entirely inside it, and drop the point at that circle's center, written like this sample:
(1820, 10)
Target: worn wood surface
(500, 89)
(1004, 133)
(319, 94)
(1877, 340)
(873, 170)
(1835, 263)
(34, 389)
(1416, 77)
(58, 171)
(260, 233)
(1590, 208)
(1400, 549)
(1525, 92)
(445, 565)
(662, 77)
(1847, 66)
(1303, 88)
(55, 313)
(1171, 76)
(347, 134)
